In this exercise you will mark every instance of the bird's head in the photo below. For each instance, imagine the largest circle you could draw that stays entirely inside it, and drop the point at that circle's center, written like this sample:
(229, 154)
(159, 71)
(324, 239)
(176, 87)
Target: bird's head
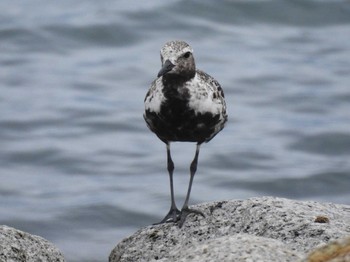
(177, 60)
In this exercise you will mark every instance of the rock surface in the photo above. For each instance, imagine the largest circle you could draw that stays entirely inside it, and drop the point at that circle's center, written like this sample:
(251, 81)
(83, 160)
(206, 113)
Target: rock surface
(257, 229)
(240, 247)
(19, 246)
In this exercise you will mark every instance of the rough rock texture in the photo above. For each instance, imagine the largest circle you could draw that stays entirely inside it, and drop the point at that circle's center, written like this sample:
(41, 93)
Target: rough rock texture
(18, 246)
(240, 247)
(257, 229)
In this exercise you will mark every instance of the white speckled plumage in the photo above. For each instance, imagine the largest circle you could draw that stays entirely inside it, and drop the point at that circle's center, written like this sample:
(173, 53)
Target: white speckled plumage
(204, 95)
(156, 97)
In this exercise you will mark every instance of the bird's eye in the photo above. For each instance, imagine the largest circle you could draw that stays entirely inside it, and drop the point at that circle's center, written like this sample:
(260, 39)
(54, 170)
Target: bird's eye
(187, 55)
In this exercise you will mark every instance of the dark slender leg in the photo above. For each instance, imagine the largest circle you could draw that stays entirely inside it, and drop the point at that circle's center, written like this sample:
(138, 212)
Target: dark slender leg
(185, 211)
(174, 212)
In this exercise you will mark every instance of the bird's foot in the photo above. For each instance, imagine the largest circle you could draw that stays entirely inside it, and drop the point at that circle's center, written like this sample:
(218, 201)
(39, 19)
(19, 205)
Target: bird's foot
(185, 211)
(173, 216)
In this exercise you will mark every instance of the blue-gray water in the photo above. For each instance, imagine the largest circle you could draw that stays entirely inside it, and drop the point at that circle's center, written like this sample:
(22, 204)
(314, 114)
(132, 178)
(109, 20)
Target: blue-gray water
(78, 165)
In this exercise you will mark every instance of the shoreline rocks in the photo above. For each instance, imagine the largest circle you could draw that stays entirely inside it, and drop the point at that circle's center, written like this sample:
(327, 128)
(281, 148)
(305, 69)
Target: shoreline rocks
(256, 229)
(19, 246)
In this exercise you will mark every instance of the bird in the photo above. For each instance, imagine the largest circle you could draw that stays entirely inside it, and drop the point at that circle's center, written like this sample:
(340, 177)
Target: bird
(183, 104)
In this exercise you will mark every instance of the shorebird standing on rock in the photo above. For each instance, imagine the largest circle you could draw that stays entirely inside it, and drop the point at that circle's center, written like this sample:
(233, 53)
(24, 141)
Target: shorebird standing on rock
(186, 105)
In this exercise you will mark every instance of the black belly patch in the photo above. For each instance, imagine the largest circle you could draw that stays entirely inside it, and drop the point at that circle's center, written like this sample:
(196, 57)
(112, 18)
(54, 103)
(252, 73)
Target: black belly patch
(174, 123)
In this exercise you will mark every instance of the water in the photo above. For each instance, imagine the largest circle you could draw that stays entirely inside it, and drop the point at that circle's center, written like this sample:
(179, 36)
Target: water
(78, 165)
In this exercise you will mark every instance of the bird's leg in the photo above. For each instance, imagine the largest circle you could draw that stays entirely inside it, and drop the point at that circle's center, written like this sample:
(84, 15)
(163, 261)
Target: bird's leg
(174, 213)
(185, 211)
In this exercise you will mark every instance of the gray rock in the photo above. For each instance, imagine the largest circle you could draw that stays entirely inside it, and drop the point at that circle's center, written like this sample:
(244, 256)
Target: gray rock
(257, 229)
(19, 246)
(239, 247)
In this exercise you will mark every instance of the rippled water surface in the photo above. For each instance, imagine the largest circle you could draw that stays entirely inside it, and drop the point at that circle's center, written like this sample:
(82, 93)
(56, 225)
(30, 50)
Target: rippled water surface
(78, 165)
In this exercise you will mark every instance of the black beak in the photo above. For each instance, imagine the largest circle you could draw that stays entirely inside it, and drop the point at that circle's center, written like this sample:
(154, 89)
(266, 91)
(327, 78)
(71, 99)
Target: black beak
(166, 68)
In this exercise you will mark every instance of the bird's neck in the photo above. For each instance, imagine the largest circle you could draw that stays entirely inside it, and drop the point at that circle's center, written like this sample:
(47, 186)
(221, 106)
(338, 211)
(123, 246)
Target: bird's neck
(177, 79)
(174, 87)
